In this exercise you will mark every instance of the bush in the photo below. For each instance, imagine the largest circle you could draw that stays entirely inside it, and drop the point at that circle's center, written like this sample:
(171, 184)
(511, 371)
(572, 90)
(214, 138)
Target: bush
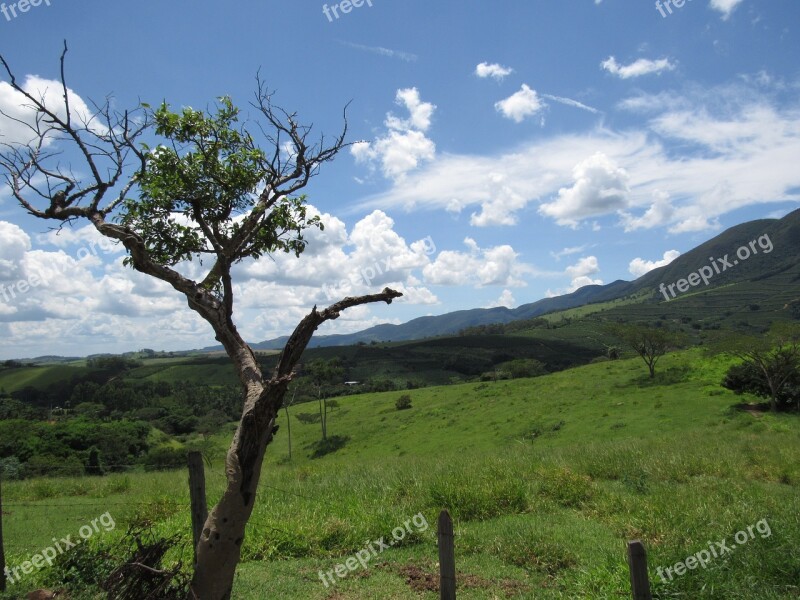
(164, 458)
(523, 367)
(48, 465)
(11, 468)
(403, 402)
(746, 377)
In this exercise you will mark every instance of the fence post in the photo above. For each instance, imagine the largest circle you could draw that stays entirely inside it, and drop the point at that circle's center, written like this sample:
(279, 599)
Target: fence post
(447, 558)
(640, 580)
(2, 551)
(197, 494)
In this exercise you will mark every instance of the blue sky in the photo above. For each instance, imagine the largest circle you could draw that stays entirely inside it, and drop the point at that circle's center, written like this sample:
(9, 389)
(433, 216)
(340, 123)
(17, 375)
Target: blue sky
(505, 152)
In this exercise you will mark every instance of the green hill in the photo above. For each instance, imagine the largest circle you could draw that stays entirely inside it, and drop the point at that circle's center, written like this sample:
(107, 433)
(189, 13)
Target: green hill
(546, 480)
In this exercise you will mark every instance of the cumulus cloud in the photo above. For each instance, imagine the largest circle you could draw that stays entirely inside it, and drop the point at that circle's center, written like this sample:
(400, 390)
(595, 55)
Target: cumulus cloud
(494, 70)
(640, 67)
(659, 214)
(580, 275)
(506, 299)
(18, 119)
(747, 147)
(405, 146)
(480, 267)
(79, 293)
(726, 7)
(600, 187)
(524, 103)
(503, 205)
(640, 266)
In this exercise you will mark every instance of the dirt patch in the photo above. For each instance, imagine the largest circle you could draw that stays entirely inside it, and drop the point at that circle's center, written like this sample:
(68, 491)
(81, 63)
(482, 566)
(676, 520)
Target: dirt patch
(425, 578)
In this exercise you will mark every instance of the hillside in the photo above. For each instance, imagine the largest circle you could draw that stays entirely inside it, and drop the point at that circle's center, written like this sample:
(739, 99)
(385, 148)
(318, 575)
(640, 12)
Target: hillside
(546, 480)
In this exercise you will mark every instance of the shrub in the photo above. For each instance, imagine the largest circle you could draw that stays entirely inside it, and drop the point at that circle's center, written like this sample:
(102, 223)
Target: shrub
(11, 468)
(163, 458)
(403, 402)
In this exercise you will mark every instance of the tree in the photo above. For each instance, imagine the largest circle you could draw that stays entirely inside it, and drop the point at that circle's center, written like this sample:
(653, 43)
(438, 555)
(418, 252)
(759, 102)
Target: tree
(201, 189)
(323, 374)
(776, 358)
(649, 343)
(295, 387)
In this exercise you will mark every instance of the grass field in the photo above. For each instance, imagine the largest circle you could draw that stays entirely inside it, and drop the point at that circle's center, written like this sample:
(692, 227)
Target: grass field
(546, 480)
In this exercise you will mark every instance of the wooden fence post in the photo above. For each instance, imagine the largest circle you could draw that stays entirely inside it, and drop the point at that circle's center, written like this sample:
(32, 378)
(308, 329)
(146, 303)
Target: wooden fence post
(197, 494)
(2, 551)
(640, 580)
(447, 557)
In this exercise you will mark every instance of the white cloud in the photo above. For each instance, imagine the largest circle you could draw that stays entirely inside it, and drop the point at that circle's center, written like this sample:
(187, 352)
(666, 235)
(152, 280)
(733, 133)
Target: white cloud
(493, 70)
(639, 266)
(524, 103)
(380, 50)
(588, 265)
(600, 187)
(568, 252)
(640, 67)
(580, 276)
(421, 112)
(405, 146)
(480, 267)
(501, 209)
(726, 7)
(659, 214)
(506, 299)
(744, 149)
(571, 102)
(17, 118)
(83, 296)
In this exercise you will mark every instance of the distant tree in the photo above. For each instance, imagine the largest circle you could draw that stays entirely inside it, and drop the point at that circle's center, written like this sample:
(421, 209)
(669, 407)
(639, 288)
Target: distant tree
(294, 388)
(649, 343)
(201, 190)
(94, 464)
(211, 422)
(775, 356)
(523, 367)
(324, 374)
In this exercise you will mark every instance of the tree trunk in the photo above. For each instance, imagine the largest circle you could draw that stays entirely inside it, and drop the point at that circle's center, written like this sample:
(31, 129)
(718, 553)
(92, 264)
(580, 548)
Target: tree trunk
(288, 430)
(219, 548)
(323, 414)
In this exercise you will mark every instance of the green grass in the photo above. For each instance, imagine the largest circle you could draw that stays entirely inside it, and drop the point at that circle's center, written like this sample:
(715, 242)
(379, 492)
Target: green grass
(546, 480)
